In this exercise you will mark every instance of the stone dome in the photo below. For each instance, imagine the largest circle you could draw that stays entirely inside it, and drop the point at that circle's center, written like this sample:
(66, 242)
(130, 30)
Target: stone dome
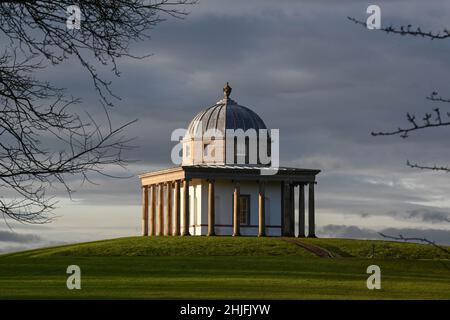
(225, 114)
(201, 148)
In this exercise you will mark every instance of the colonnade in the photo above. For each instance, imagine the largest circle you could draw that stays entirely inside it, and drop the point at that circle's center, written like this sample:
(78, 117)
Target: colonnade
(289, 209)
(169, 220)
(169, 217)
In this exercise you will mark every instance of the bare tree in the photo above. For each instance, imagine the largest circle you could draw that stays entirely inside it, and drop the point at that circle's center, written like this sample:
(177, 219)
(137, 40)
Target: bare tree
(43, 141)
(434, 119)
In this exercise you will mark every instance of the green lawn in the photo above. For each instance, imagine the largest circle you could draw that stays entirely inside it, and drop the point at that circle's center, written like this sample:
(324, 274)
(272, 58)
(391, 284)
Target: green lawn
(225, 268)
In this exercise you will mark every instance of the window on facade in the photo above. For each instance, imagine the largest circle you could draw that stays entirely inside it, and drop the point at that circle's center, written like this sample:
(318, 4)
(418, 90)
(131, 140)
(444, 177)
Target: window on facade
(209, 150)
(244, 206)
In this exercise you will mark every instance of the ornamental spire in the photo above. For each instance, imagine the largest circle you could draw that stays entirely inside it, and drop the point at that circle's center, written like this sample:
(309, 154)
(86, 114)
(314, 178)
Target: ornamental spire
(227, 91)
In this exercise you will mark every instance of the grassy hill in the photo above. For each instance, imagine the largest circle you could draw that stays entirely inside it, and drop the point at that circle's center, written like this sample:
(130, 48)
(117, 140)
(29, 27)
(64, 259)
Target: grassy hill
(227, 268)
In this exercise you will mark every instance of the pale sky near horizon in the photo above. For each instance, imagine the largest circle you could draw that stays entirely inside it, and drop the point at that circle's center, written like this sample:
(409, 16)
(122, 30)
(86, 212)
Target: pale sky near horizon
(323, 81)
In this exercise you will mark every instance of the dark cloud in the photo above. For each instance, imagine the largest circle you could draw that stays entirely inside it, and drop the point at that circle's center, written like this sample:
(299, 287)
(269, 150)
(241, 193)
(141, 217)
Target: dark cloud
(8, 249)
(8, 236)
(428, 215)
(422, 214)
(325, 82)
(342, 231)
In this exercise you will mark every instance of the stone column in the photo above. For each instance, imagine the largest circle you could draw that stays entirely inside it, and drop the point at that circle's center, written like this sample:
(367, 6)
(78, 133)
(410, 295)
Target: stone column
(153, 210)
(291, 225)
(301, 210)
(160, 210)
(145, 210)
(236, 209)
(262, 209)
(311, 207)
(211, 209)
(286, 195)
(186, 207)
(168, 218)
(176, 220)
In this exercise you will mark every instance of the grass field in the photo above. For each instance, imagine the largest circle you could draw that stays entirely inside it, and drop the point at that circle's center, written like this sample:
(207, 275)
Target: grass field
(226, 268)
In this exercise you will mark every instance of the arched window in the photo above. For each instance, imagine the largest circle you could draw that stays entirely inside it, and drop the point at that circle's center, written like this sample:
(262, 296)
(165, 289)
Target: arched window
(209, 150)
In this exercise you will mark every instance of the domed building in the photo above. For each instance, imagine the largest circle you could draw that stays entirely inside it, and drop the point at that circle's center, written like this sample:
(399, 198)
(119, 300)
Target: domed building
(228, 182)
(206, 139)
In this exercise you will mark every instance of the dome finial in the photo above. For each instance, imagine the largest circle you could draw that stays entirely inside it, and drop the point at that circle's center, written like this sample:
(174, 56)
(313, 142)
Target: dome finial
(227, 91)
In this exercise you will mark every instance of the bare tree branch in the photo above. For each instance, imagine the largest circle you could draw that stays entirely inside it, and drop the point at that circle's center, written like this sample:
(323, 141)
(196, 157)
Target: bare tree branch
(108, 28)
(424, 240)
(434, 96)
(408, 30)
(428, 121)
(43, 141)
(424, 167)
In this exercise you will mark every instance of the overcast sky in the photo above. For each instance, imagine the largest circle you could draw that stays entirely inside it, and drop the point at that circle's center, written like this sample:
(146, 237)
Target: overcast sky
(325, 82)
